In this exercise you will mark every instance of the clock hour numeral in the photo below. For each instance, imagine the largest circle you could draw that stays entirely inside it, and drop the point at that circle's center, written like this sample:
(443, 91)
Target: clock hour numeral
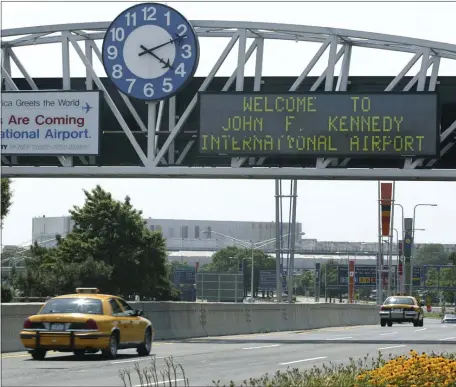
(181, 29)
(180, 70)
(117, 71)
(167, 85)
(187, 51)
(168, 18)
(149, 13)
(148, 90)
(112, 52)
(132, 83)
(118, 34)
(131, 19)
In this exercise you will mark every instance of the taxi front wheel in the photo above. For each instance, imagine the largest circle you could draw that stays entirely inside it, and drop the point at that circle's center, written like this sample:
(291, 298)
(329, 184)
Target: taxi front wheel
(145, 347)
(38, 354)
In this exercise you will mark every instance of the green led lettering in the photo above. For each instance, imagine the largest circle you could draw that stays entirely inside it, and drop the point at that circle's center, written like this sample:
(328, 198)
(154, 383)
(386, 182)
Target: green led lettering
(204, 146)
(354, 144)
(408, 140)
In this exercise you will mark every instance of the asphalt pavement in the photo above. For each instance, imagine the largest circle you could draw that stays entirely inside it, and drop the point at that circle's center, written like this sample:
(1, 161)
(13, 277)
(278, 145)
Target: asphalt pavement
(233, 357)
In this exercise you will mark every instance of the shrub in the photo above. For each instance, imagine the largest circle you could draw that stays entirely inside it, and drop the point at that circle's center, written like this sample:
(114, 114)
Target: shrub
(414, 371)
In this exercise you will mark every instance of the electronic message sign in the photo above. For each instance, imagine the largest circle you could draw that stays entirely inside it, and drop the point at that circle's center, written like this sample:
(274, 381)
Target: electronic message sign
(319, 124)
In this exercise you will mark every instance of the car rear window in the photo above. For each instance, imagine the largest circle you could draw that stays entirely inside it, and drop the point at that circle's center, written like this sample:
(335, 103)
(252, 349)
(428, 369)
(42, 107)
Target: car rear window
(399, 300)
(73, 305)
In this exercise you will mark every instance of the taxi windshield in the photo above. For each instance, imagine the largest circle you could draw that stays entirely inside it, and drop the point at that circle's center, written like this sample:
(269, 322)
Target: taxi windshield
(399, 300)
(73, 305)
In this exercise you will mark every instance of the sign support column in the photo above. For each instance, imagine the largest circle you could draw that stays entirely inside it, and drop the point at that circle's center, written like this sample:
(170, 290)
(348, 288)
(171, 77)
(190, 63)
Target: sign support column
(408, 226)
(351, 281)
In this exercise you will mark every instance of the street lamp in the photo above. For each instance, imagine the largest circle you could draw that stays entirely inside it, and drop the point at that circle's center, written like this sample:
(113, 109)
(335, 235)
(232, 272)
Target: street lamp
(398, 258)
(413, 240)
(251, 245)
(402, 213)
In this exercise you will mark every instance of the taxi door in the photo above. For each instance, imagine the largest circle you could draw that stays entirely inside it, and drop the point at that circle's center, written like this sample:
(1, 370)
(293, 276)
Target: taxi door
(123, 322)
(138, 327)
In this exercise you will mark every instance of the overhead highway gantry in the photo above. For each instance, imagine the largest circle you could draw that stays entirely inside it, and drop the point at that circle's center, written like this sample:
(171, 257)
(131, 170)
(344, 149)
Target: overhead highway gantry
(135, 141)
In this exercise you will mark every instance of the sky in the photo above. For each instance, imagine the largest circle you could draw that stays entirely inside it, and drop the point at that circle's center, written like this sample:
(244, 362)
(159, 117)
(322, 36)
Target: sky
(328, 210)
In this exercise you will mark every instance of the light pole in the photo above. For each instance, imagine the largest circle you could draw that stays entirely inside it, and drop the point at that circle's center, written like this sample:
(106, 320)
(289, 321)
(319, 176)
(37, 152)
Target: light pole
(253, 246)
(413, 240)
(402, 213)
(402, 237)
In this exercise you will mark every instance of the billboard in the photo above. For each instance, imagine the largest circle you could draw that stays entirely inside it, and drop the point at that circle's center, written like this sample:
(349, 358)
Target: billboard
(184, 275)
(366, 276)
(268, 280)
(50, 123)
(319, 124)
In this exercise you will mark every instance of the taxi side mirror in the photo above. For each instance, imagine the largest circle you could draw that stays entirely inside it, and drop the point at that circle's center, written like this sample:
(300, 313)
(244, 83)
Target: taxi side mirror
(138, 312)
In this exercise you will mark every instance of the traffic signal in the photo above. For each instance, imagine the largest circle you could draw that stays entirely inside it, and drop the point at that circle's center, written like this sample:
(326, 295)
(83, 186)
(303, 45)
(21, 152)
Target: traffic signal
(241, 265)
(401, 271)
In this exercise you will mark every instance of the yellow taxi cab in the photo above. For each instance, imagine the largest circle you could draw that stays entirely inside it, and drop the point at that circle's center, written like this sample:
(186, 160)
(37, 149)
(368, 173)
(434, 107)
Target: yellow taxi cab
(399, 309)
(86, 322)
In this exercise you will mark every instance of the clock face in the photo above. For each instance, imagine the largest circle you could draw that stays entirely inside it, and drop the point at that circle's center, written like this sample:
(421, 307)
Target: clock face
(150, 51)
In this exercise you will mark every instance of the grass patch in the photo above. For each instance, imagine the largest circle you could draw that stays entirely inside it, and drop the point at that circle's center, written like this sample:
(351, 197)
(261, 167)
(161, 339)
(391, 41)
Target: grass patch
(414, 370)
(172, 375)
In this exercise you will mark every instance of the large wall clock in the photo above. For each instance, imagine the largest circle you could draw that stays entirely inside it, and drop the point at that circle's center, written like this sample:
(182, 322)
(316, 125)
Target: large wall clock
(150, 52)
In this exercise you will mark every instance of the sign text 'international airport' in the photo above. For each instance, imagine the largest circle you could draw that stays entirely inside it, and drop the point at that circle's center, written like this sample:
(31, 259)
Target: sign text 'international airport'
(50, 123)
(319, 124)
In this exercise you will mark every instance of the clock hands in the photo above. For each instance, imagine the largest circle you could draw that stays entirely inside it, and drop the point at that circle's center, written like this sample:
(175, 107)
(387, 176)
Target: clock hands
(165, 63)
(149, 51)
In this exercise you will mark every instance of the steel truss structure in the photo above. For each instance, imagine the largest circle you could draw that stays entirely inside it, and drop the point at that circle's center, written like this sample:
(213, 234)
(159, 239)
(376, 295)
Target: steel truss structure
(161, 156)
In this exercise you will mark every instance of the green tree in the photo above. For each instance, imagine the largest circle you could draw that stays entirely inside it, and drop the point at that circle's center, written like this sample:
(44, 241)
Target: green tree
(431, 254)
(229, 259)
(305, 282)
(115, 233)
(7, 196)
(452, 258)
(110, 247)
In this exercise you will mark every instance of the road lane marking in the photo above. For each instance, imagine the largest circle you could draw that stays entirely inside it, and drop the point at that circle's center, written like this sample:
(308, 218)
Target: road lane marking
(394, 346)
(162, 382)
(303, 360)
(135, 359)
(419, 330)
(53, 354)
(389, 333)
(448, 338)
(340, 338)
(56, 353)
(263, 346)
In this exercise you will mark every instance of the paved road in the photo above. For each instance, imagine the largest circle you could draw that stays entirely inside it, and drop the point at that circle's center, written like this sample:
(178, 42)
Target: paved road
(233, 357)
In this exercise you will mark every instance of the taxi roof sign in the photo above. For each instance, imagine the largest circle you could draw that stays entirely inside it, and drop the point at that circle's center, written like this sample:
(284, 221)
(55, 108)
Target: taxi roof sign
(87, 290)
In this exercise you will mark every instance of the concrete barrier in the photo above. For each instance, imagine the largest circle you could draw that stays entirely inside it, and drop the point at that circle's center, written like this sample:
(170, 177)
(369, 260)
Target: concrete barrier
(180, 320)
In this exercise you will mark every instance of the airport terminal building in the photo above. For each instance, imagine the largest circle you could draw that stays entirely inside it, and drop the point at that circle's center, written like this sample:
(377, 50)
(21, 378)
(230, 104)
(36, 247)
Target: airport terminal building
(196, 240)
